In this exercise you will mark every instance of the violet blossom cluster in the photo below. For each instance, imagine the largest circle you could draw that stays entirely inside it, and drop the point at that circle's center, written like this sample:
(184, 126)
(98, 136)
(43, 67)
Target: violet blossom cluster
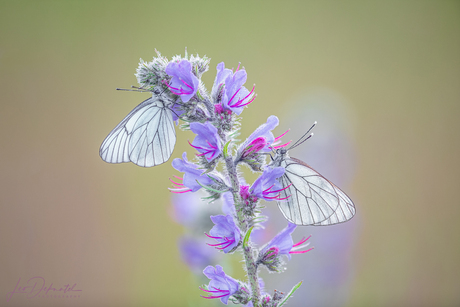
(214, 118)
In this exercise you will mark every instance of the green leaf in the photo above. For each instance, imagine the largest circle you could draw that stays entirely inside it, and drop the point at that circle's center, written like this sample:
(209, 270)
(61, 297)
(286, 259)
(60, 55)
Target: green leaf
(246, 237)
(225, 151)
(289, 294)
(210, 189)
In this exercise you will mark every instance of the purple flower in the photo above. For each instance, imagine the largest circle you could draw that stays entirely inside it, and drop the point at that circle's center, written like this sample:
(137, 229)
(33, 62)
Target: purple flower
(195, 254)
(187, 209)
(220, 285)
(219, 82)
(225, 232)
(228, 89)
(262, 139)
(191, 175)
(282, 244)
(266, 186)
(228, 205)
(183, 83)
(176, 112)
(207, 141)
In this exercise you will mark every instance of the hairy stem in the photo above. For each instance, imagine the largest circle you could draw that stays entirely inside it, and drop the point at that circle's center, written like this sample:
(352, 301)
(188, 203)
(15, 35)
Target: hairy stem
(251, 265)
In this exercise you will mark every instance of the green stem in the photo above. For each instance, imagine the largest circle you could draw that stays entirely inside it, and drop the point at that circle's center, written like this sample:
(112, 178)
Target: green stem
(251, 265)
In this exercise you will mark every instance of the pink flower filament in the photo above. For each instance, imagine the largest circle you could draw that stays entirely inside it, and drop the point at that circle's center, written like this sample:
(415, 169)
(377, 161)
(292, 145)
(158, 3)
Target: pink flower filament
(298, 246)
(179, 188)
(240, 101)
(217, 291)
(276, 197)
(227, 242)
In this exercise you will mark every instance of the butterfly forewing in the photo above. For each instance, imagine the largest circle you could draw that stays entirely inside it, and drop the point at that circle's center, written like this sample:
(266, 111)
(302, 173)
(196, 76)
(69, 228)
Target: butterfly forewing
(313, 200)
(145, 137)
(344, 212)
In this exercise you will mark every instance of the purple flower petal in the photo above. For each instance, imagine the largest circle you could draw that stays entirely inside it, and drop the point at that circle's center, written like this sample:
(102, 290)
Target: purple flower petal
(283, 241)
(183, 83)
(191, 173)
(222, 74)
(225, 232)
(266, 183)
(195, 254)
(220, 281)
(263, 131)
(207, 141)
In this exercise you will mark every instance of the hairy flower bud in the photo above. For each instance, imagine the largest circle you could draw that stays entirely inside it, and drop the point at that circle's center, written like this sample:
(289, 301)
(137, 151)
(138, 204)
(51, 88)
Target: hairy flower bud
(152, 74)
(270, 258)
(199, 65)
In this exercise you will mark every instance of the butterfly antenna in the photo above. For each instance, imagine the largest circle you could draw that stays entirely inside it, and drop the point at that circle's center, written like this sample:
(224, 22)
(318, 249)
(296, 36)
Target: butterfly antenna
(137, 89)
(304, 137)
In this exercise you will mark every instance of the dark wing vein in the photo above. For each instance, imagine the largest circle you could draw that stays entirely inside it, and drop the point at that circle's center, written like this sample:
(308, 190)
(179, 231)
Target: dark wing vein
(313, 200)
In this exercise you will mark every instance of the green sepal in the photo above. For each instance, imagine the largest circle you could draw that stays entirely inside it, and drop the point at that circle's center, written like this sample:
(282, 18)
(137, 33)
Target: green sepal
(210, 189)
(246, 237)
(289, 294)
(225, 151)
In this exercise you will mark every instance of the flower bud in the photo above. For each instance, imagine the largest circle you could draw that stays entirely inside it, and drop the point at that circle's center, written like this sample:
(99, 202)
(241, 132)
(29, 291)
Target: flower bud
(152, 74)
(270, 258)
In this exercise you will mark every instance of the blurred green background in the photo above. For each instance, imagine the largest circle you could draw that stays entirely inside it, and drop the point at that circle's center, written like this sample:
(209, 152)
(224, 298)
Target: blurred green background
(71, 218)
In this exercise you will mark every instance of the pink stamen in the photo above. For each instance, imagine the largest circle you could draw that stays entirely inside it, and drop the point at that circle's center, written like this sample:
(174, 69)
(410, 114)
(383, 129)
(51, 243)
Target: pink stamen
(284, 198)
(213, 147)
(179, 91)
(300, 252)
(277, 138)
(278, 190)
(209, 297)
(212, 236)
(180, 178)
(279, 146)
(248, 101)
(233, 97)
(217, 244)
(186, 84)
(224, 247)
(175, 182)
(196, 147)
(238, 67)
(273, 197)
(301, 241)
(211, 291)
(268, 189)
(179, 192)
(238, 103)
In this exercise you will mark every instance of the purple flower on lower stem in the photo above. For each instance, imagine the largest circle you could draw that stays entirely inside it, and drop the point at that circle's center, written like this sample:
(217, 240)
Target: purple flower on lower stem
(207, 141)
(228, 89)
(219, 82)
(191, 175)
(195, 254)
(266, 186)
(282, 244)
(220, 285)
(176, 112)
(183, 83)
(225, 232)
(262, 139)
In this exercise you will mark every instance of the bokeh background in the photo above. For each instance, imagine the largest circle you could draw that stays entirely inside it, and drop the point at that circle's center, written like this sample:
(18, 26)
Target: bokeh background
(382, 78)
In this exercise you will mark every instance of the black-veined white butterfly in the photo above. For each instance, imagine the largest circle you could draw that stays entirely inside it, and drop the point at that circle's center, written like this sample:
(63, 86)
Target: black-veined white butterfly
(311, 199)
(146, 136)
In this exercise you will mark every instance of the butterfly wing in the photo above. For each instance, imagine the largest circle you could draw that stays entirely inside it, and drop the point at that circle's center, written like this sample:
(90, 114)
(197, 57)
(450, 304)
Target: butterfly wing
(145, 137)
(313, 200)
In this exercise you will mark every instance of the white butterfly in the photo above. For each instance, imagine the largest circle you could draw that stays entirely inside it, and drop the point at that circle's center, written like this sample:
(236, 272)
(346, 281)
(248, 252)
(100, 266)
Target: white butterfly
(312, 199)
(145, 137)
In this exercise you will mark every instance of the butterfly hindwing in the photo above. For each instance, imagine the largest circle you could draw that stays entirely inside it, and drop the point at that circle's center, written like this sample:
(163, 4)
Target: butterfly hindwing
(313, 200)
(145, 137)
